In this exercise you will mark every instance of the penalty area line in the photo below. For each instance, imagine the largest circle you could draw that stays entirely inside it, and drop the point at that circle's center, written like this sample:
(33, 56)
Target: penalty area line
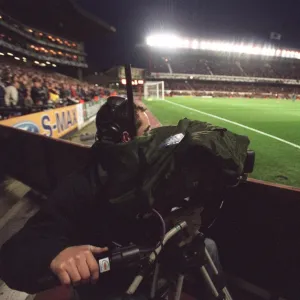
(235, 123)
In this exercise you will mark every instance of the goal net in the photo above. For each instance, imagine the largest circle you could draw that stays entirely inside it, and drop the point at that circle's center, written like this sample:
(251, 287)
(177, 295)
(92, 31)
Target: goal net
(154, 90)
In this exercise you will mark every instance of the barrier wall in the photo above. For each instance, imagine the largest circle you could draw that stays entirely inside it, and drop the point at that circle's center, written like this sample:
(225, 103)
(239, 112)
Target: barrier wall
(57, 123)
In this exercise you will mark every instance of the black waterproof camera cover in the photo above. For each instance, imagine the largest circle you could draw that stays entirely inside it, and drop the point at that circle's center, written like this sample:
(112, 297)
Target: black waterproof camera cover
(168, 164)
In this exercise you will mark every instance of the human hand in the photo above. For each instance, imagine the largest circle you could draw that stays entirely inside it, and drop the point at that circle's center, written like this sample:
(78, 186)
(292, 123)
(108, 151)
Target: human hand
(77, 264)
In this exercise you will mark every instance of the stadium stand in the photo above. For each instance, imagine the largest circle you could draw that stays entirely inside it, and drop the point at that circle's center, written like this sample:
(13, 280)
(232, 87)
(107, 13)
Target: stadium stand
(219, 89)
(30, 57)
(54, 83)
(65, 19)
(37, 90)
(228, 74)
(227, 65)
(23, 41)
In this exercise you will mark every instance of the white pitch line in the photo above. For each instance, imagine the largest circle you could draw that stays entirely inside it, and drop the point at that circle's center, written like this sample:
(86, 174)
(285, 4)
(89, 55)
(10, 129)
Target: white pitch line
(237, 124)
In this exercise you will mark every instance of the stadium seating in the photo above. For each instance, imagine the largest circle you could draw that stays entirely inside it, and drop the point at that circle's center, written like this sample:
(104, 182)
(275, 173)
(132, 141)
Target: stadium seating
(38, 35)
(243, 73)
(228, 65)
(21, 42)
(52, 89)
(24, 42)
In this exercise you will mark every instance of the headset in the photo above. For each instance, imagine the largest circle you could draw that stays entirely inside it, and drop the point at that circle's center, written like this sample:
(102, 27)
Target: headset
(113, 119)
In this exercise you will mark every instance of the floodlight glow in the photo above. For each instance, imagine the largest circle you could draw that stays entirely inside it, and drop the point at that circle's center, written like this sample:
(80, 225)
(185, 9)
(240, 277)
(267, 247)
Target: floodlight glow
(17, 58)
(37, 62)
(284, 53)
(2, 54)
(164, 41)
(10, 54)
(54, 65)
(48, 63)
(173, 42)
(185, 43)
(195, 44)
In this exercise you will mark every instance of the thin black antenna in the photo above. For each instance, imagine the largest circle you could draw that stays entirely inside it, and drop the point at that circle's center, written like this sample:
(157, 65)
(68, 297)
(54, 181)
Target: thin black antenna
(130, 99)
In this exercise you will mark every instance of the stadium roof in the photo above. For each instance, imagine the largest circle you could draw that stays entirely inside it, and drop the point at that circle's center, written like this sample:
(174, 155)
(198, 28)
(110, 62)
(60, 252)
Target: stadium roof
(65, 18)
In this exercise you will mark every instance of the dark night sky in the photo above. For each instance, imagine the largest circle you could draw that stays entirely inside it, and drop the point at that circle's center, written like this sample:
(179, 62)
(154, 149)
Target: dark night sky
(228, 19)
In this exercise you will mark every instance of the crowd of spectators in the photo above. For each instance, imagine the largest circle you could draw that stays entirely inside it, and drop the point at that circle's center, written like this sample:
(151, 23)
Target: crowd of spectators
(26, 87)
(219, 89)
(228, 65)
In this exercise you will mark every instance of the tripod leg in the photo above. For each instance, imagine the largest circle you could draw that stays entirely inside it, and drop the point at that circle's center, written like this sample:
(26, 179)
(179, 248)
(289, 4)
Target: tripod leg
(175, 291)
(179, 287)
(227, 294)
(135, 284)
(210, 261)
(215, 270)
(209, 282)
(154, 282)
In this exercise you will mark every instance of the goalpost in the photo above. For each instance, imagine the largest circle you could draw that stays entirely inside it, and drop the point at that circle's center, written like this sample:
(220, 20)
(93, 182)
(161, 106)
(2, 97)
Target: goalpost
(154, 90)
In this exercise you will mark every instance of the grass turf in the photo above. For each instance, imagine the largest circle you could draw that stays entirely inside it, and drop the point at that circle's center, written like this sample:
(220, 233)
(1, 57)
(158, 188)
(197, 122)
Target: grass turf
(275, 161)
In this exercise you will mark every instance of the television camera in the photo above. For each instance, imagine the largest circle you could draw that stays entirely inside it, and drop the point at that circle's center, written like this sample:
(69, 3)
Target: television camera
(178, 251)
(181, 250)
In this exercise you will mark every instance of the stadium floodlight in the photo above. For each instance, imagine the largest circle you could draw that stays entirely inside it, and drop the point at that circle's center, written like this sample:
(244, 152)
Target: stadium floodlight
(36, 62)
(195, 44)
(54, 65)
(164, 41)
(2, 54)
(186, 43)
(48, 63)
(278, 52)
(284, 53)
(17, 58)
(172, 42)
(9, 54)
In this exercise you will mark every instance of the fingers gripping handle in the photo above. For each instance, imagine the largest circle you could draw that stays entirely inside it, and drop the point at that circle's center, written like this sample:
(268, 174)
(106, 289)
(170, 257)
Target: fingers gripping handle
(120, 257)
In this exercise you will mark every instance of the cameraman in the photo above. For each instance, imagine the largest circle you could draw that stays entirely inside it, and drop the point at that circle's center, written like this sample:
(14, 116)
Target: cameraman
(66, 233)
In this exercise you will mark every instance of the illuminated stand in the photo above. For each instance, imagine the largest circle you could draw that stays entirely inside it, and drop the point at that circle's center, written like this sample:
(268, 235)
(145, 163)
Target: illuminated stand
(154, 90)
(171, 41)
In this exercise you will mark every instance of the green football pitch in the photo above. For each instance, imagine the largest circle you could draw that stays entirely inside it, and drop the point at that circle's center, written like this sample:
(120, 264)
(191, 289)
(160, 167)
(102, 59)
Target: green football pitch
(273, 127)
